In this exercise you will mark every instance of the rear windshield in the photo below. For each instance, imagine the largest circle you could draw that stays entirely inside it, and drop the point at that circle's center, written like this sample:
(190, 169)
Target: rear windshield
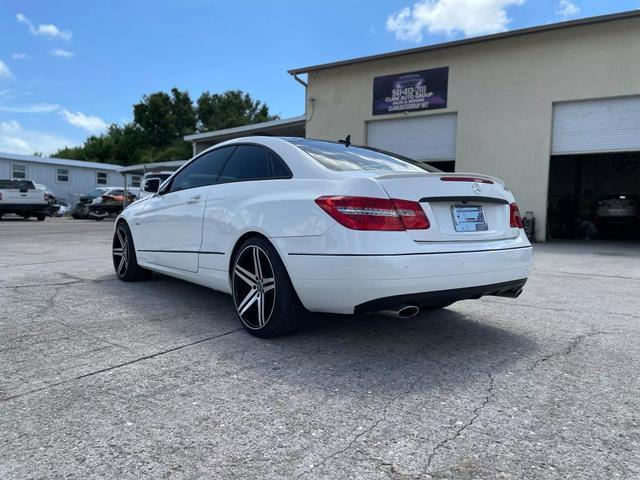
(340, 157)
(17, 184)
(95, 193)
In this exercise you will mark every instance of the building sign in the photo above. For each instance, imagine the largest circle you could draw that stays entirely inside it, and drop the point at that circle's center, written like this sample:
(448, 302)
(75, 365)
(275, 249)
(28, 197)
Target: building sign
(409, 92)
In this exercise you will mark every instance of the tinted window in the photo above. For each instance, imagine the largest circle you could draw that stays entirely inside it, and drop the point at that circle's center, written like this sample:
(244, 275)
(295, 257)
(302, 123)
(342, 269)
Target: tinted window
(250, 162)
(95, 193)
(17, 184)
(339, 157)
(279, 168)
(202, 171)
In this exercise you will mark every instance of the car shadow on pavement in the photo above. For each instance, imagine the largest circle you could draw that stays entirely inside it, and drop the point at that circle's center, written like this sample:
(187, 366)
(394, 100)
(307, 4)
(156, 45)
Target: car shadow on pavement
(360, 353)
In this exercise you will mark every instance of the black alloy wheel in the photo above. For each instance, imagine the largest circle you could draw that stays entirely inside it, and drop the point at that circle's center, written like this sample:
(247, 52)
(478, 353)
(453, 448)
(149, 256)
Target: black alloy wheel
(263, 295)
(123, 253)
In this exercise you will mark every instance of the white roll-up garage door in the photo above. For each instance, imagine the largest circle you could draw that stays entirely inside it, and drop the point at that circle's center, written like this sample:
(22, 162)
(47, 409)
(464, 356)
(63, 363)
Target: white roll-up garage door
(430, 137)
(595, 126)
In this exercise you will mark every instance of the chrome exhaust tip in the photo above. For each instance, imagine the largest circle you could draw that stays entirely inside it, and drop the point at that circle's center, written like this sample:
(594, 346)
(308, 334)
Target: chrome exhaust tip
(515, 293)
(403, 311)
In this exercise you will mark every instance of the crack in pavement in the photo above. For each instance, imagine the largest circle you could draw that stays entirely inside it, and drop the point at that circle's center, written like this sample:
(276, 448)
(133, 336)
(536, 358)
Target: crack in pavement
(557, 309)
(120, 365)
(602, 275)
(382, 418)
(51, 261)
(573, 344)
(59, 284)
(476, 413)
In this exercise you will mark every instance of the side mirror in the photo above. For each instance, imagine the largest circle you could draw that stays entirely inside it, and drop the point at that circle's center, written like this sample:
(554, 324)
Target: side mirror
(152, 185)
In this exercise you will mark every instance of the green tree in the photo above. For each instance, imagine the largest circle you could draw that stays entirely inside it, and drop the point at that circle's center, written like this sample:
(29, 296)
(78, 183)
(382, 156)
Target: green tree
(165, 118)
(160, 122)
(232, 108)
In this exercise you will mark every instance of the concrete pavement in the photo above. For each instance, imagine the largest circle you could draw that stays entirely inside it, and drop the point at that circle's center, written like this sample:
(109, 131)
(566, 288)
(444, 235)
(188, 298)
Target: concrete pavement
(100, 378)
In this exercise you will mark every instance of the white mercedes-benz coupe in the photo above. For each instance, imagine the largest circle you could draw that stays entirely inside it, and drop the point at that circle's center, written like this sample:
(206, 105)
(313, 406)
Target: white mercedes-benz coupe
(288, 224)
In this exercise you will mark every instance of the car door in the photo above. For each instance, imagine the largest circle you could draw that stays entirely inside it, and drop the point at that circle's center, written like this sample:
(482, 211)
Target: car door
(250, 172)
(168, 232)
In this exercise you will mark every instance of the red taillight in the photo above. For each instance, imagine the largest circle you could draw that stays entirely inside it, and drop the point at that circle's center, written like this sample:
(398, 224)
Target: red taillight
(366, 213)
(411, 214)
(515, 220)
(466, 179)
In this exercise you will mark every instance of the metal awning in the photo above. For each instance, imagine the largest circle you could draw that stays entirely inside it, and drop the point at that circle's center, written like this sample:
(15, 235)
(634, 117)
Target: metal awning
(143, 168)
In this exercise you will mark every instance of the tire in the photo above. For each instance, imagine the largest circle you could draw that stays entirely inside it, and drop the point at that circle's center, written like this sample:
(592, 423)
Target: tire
(265, 300)
(123, 253)
(41, 217)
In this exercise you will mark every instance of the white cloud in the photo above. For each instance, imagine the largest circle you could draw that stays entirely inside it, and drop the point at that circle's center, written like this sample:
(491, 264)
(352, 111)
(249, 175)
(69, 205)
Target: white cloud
(44, 30)
(61, 52)
(35, 108)
(567, 9)
(15, 139)
(470, 17)
(19, 56)
(4, 70)
(91, 124)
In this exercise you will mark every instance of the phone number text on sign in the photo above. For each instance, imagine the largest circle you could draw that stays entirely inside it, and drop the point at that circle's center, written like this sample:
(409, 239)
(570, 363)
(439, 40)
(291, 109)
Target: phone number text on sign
(424, 90)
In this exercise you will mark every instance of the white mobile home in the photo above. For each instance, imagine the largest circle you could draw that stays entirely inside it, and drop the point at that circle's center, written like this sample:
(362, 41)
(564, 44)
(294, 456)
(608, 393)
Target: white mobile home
(68, 179)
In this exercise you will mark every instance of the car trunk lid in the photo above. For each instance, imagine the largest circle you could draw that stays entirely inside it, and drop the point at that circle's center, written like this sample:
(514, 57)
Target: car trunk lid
(460, 207)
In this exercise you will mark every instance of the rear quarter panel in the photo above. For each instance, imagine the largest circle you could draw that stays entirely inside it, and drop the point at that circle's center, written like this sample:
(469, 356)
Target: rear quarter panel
(273, 208)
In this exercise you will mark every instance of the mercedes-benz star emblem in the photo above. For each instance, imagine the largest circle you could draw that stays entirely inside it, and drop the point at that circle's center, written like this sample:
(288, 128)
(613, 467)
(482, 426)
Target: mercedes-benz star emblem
(476, 188)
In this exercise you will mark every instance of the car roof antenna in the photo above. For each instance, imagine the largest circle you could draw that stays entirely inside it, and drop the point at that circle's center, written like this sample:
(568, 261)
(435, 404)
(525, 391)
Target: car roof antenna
(346, 141)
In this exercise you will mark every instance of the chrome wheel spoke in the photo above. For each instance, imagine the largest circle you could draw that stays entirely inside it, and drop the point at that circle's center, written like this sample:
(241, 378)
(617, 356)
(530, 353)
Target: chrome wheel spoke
(123, 263)
(118, 252)
(121, 237)
(257, 268)
(268, 284)
(244, 274)
(249, 300)
(261, 320)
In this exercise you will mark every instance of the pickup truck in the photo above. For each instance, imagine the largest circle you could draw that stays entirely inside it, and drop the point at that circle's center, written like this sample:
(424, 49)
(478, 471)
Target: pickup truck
(22, 198)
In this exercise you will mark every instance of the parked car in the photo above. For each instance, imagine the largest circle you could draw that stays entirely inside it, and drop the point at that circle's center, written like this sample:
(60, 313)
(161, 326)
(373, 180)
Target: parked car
(81, 209)
(111, 202)
(62, 208)
(21, 197)
(619, 207)
(288, 224)
(51, 198)
(617, 213)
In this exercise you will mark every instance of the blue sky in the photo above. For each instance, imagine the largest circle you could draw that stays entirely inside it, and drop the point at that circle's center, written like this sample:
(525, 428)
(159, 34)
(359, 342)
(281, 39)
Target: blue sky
(69, 68)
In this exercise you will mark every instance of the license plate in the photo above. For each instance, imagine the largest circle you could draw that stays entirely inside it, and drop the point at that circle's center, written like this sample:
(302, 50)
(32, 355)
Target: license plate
(469, 218)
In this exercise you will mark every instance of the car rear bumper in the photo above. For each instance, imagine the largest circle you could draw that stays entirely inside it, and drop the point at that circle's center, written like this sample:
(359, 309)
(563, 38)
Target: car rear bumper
(510, 289)
(344, 283)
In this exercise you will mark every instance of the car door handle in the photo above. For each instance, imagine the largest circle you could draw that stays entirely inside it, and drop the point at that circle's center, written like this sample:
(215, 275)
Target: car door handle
(194, 199)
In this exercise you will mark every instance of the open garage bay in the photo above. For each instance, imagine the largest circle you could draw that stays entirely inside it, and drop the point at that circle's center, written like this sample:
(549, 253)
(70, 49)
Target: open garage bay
(157, 379)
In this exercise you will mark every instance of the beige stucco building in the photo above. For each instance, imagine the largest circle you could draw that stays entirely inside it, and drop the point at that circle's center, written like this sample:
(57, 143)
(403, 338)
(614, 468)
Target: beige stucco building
(553, 110)
(511, 105)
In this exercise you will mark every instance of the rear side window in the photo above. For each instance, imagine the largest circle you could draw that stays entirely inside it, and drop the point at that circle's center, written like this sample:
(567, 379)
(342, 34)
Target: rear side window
(339, 157)
(17, 185)
(251, 162)
(203, 171)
